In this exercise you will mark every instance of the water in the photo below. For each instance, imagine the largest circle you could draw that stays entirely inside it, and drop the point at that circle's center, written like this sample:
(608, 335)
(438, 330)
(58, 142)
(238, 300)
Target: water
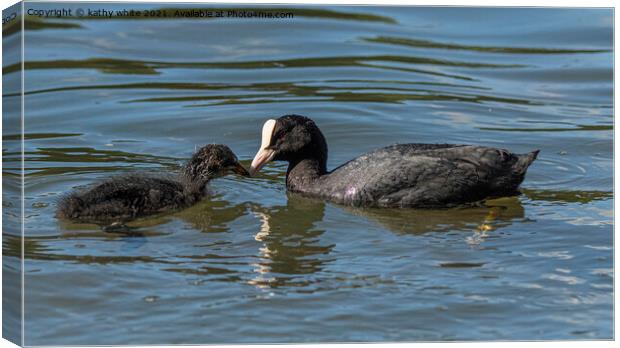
(255, 264)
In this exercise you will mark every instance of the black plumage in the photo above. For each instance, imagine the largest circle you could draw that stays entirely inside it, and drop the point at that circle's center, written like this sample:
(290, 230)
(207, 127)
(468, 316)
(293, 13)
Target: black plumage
(402, 175)
(127, 197)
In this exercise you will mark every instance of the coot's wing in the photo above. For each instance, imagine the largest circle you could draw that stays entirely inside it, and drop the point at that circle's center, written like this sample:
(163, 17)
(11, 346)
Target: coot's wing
(419, 175)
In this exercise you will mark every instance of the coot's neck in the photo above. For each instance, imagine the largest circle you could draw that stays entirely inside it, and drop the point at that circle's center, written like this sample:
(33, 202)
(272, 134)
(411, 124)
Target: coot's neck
(196, 186)
(302, 174)
(306, 153)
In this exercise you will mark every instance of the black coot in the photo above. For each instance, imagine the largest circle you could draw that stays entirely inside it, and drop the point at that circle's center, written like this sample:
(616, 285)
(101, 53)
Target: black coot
(402, 175)
(126, 197)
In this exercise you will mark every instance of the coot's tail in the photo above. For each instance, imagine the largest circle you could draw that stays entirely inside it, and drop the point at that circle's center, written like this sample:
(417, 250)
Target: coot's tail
(524, 162)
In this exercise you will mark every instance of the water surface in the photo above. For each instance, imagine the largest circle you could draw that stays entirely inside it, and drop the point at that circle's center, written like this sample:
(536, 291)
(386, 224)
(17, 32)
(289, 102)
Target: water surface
(255, 264)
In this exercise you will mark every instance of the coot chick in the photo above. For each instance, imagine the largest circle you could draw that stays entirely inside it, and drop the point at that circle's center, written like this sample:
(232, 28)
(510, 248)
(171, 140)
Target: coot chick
(398, 176)
(126, 197)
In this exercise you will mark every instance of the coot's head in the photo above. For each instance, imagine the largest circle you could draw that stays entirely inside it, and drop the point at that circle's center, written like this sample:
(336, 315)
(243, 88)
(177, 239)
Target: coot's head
(290, 138)
(211, 161)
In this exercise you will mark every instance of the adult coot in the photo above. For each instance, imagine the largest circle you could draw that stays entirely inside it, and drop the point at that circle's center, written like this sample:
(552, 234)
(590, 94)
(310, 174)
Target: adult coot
(402, 175)
(126, 197)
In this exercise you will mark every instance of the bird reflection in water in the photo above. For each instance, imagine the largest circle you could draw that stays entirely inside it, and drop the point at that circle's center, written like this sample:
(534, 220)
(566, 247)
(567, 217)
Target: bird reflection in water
(501, 212)
(482, 232)
(480, 219)
(291, 249)
(213, 215)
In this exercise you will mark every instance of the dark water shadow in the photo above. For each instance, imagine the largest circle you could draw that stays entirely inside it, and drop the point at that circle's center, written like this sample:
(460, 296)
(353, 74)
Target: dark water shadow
(305, 91)
(33, 23)
(577, 127)
(566, 197)
(37, 248)
(487, 49)
(85, 160)
(140, 67)
(324, 94)
(34, 136)
(261, 86)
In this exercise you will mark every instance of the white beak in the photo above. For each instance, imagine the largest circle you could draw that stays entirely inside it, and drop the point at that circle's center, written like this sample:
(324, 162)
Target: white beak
(264, 155)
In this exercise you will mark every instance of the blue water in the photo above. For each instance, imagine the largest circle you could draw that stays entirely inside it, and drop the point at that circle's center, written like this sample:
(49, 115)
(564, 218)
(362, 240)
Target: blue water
(255, 264)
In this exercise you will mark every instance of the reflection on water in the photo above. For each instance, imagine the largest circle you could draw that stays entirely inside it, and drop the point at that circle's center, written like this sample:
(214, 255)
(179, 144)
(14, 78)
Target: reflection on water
(214, 216)
(291, 244)
(118, 66)
(496, 213)
(13, 27)
(448, 46)
(81, 155)
(289, 239)
(253, 264)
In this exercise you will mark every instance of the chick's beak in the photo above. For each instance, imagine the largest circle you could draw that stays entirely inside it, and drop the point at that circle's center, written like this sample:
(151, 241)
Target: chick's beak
(263, 156)
(237, 168)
